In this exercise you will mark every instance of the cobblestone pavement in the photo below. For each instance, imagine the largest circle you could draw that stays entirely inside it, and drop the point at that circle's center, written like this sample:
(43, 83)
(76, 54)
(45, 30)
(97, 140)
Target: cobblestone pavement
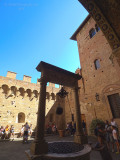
(15, 150)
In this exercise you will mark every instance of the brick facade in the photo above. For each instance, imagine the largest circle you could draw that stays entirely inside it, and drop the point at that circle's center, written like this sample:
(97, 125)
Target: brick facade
(100, 82)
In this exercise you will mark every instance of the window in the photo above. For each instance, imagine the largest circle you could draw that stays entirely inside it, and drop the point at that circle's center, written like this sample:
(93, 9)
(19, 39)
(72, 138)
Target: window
(97, 64)
(53, 96)
(97, 28)
(114, 101)
(92, 32)
(21, 117)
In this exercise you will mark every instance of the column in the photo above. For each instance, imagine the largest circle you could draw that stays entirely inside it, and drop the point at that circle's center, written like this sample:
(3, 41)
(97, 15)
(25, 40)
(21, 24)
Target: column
(39, 146)
(79, 136)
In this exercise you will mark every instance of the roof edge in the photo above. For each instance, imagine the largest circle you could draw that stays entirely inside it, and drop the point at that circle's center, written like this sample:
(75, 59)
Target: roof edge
(73, 37)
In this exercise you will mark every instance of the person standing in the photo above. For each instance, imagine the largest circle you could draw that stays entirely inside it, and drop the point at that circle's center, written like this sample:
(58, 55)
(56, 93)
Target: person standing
(30, 131)
(113, 123)
(22, 131)
(109, 137)
(6, 132)
(84, 127)
(115, 136)
(26, 128)
(12, 131)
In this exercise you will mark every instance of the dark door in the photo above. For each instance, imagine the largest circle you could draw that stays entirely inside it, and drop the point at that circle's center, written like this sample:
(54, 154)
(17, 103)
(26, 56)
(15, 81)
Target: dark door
(114, 101)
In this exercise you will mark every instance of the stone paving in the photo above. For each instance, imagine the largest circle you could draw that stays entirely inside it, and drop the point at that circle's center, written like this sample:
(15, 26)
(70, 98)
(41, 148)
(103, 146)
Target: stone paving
(15, 150)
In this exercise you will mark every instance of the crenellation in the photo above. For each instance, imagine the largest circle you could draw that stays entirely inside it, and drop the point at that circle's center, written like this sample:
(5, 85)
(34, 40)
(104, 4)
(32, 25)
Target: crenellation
(11, 74)
(27, 78)
(21, 96)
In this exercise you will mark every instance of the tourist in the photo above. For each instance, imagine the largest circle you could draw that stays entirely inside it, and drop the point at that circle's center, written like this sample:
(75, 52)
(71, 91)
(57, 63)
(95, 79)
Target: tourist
(30, 130)
(100, 134)
(67, 129)
(7, 132)
(71, 128)
(84, 127)
(115, 137)
(25, 136)
(22, 131)
(2, 132)
(12, 131)
(109, 137)
(113, 123)
(74, 126)
(54, 128)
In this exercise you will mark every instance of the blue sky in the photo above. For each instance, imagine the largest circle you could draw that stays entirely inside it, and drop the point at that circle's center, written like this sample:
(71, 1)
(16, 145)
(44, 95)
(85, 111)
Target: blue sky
(38, 30)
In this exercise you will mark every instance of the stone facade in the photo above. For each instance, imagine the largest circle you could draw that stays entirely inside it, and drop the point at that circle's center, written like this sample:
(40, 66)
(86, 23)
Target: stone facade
(99, 83)
(19, 100)
(98, 86)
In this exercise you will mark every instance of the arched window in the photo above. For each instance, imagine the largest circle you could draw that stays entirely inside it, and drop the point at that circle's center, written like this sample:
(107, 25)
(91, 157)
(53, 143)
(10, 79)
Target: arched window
(47, 95)
(5, 88)
(92, 32)
(97, 27)
(97, 64)
(22, 91)
(21, 117)
(53, 96)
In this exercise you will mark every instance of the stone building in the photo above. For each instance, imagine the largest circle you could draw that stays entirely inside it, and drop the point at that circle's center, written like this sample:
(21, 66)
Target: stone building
(19, 100)
(100, 84)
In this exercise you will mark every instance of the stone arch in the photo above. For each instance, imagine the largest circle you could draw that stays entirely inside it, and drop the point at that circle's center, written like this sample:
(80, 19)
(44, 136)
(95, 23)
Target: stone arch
(22, 91)
(5, 88)
(47, 95)
(29, 92)
(35, 93)
(21, 117)
(53, 96)
(110, 88)
(13, 90)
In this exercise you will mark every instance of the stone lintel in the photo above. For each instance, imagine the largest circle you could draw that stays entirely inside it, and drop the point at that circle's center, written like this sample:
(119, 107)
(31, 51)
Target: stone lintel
(57, 75)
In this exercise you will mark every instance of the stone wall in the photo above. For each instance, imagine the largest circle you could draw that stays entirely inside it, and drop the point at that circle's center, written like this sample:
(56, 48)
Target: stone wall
(19, 100)
(100, 82)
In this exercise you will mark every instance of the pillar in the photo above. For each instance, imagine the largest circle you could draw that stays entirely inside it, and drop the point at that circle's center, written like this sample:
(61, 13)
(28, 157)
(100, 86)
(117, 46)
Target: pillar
(39, 146)
(79, 136)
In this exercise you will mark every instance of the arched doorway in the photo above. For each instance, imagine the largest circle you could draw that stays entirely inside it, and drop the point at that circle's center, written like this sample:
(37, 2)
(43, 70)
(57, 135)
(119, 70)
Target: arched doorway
(21, 117)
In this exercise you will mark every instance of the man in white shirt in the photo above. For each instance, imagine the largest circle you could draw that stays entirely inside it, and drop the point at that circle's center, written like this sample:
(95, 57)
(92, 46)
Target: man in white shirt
(115, 137)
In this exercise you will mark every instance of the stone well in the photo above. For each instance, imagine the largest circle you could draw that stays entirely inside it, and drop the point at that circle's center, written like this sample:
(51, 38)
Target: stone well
(63, 151)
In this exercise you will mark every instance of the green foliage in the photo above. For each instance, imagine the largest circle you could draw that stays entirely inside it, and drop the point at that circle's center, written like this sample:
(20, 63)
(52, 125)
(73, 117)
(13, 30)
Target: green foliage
(94, 124)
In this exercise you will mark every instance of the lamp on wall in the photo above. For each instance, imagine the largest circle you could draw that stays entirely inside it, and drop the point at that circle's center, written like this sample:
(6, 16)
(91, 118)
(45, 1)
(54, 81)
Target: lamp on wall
(97, 96)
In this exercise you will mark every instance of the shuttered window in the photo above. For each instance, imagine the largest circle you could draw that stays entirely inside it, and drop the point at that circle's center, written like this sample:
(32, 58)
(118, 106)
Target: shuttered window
(114, 101)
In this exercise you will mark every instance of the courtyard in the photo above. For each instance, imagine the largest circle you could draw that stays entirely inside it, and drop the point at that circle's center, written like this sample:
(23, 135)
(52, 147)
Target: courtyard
(15, 150)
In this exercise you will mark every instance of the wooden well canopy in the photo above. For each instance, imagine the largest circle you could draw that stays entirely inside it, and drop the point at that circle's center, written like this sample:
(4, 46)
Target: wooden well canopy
(58, 75)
